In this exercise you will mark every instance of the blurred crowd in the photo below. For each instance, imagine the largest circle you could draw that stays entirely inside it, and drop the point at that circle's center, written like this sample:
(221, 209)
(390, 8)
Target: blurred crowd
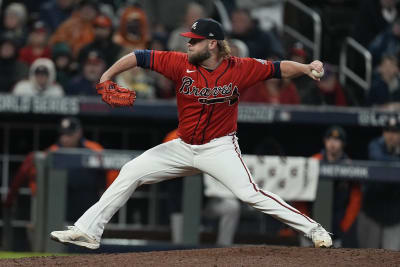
(61, 47)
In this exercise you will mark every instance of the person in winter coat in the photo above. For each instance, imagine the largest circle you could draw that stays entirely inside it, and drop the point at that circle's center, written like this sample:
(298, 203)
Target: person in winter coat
(41, 81)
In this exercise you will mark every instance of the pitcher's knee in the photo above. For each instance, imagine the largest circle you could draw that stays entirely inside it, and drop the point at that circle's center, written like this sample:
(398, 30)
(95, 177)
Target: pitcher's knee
(128, 167)
(135, 167)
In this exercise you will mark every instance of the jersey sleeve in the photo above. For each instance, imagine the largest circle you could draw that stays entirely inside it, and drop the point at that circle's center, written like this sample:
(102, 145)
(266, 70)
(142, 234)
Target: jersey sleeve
(166, 63)
(254, 70)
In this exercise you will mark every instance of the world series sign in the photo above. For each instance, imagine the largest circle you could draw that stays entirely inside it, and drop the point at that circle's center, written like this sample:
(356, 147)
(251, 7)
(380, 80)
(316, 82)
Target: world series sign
(292, 178)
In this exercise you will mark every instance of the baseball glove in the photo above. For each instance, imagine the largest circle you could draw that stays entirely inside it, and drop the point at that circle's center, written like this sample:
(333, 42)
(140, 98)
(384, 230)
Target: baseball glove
(115, 95)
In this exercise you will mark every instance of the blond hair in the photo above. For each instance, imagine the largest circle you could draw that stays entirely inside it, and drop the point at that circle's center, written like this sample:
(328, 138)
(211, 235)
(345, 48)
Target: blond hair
(224, 49)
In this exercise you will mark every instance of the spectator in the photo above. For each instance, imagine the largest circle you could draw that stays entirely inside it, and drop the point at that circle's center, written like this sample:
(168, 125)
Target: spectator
(385, 87)
(386, 43)
(65, 67)
(102, 41)
(11, 70)
(299, 54)
(143, 83)
(261, 44)
(14, 22)
(133, 31)
(54, 13)
(37, 45)
(272, 91)
(42, 75)
(347, 195)
(84, 185)
(77, 31)
(176, 42)
(238, 48)
(328, 91)
(380, 216)
(92, 69)
(374, 16)
(164, 87)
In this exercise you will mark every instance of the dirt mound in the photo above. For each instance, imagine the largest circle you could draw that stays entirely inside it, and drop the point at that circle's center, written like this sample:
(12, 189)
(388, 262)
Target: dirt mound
(235, 256)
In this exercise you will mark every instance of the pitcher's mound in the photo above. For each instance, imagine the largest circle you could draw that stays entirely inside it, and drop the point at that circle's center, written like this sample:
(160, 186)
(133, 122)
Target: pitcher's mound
(235, 256)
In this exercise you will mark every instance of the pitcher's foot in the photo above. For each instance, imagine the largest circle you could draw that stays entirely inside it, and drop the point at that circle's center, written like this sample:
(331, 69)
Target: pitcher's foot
(320, 237)
(76, 237)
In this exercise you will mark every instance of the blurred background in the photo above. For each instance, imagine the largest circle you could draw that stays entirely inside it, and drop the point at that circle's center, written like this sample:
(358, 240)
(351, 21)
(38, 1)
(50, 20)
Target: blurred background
(53, 52)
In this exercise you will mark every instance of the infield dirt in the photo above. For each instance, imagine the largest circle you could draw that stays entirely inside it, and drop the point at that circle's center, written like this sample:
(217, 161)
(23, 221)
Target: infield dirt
(235, 256)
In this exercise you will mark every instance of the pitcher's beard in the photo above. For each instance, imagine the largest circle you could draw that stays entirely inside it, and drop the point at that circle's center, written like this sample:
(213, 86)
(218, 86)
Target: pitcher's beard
(196, 59)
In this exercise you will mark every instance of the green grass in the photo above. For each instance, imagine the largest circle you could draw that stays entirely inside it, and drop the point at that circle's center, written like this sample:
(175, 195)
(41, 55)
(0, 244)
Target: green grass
(13, 255)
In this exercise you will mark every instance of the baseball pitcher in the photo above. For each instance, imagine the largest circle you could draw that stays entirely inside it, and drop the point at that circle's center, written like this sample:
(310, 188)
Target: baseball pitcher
(209, 82)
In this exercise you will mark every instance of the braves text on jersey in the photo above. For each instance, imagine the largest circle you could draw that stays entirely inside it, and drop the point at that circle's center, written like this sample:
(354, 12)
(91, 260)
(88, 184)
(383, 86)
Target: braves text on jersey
(207, 100)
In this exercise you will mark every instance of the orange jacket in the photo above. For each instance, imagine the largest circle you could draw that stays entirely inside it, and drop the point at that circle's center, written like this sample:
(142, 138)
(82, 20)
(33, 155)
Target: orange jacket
(136, 38)
(75, 31)
(171, 136)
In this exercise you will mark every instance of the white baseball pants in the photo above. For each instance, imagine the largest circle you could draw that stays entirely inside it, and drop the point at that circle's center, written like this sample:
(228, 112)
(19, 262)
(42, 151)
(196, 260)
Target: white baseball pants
(220, 158)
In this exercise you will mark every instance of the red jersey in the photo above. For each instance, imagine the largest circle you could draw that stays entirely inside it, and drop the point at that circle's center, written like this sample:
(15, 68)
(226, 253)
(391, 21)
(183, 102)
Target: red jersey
(207, 100)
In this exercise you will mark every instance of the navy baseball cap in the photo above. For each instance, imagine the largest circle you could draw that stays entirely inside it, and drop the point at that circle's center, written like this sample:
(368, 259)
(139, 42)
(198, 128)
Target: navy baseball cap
(205, 28)
(336, 132)
(69, 125)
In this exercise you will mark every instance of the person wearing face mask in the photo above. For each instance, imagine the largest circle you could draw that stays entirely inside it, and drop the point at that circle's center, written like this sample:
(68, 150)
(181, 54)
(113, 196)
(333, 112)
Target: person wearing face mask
(133, 31)
(41, 81)
(77, 31)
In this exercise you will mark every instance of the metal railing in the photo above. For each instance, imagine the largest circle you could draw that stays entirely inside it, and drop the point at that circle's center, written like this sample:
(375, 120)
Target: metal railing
(315, 43)
(346, 72)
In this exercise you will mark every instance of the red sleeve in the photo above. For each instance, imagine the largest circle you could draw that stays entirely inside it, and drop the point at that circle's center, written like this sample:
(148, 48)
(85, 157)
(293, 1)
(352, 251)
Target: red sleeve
(251, 71)
(290, 95)
(23, 55)
(169, 64)
(340, 97)
(26, 172)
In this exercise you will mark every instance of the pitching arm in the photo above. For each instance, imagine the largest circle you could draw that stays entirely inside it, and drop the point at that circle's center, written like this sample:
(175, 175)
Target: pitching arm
(292, 69)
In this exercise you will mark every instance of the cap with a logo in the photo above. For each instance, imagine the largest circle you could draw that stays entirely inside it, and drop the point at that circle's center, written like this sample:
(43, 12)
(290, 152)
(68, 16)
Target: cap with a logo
(41, 69)
(69, 125)
(205, 29)
(336, 132)
(94, 57)
(392, 125)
